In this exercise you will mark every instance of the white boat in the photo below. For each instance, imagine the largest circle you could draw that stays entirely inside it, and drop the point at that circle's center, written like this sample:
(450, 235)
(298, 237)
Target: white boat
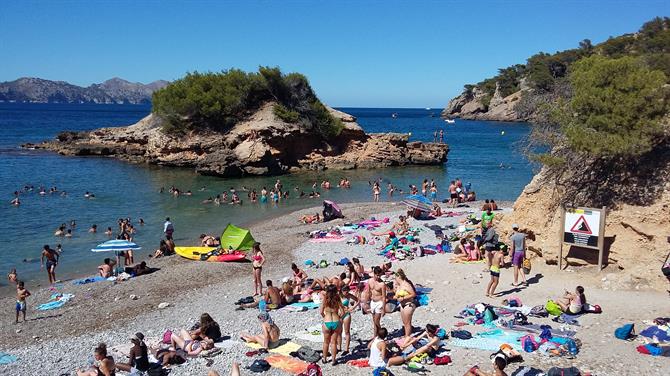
(450, 121)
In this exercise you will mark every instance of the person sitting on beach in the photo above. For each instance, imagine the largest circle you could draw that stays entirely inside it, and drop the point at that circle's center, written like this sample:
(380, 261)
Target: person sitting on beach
(138, 355)
(190, 346)
(269, 332)
(494, 206)
(471, 196)
(499, 364)
(307, 219)
(352, 277)
(360, 269)
(272, 297)
(378, 351)
(105, 270)
(468, 252)
(572, 303)
(12, 276)
(288, 293)
(299, 275)
(163, 250)
(323, 283)
(139, 269)
(104, 365)
(437, 210)
(208, 241)
(207, 328)
(427, 342)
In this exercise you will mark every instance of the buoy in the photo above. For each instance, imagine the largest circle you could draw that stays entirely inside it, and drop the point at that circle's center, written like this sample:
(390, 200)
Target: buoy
(410, 133)
(502, 133)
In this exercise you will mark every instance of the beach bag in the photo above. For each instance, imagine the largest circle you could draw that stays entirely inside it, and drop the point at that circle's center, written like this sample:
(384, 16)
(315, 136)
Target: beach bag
(555, 371)
(461, 334)
(307, 354)
(167, 337)
(489, 315)
(323, 264)
(381, 371)
(625, 332)
(650, 349)
(553, 308)
(528, 343)
(313, 369)
(520, 318)
(526, 265)
(442, 360)
(258, 366)
(539, 311)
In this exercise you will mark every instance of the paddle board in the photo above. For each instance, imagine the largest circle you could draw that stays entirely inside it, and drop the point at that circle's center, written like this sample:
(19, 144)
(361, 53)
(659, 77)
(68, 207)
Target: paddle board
(193, 253)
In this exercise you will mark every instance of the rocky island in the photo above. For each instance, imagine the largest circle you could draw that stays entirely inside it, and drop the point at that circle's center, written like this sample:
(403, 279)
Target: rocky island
(262, 123)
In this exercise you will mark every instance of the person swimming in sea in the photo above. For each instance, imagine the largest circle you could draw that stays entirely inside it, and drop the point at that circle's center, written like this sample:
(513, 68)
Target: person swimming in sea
(15, 201)
(12, 277)
(208, 201)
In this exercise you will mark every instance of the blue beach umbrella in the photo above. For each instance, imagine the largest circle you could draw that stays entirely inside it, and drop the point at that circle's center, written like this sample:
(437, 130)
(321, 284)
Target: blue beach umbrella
(418, 202)
(116, 246)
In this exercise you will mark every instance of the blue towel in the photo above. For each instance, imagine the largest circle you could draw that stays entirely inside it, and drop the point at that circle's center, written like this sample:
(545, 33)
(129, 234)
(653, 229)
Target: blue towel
(6, 358)
(309, 305)
(422, 299)
(655, 331)
(84, 281)
(55, 303)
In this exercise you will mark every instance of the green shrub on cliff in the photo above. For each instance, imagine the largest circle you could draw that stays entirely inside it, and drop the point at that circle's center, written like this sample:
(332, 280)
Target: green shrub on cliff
(217, 101)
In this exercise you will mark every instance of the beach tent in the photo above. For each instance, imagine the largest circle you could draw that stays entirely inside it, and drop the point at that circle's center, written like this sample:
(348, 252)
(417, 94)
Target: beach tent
(236, 238)
(331, 211)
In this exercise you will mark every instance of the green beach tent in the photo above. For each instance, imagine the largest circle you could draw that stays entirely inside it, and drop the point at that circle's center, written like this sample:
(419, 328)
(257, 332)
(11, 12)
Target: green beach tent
(236, 238)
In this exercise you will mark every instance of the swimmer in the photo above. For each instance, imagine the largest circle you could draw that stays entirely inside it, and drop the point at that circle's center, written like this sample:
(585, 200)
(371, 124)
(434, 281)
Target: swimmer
(108, 232)
(68, 234)
(93, 229)
(208, 201)
(15, 201)
(12, 276)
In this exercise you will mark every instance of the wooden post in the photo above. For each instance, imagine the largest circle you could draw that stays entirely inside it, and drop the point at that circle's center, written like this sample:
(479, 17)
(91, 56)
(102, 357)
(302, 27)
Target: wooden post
(561, 230)
(601, 238)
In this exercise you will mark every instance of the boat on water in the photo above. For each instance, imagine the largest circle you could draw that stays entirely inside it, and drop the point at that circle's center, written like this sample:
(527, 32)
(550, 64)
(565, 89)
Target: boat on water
(450, 121)
(394, 115)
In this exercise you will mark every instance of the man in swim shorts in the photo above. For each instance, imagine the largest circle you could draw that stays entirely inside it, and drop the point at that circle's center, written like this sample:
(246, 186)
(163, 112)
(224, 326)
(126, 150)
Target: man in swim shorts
(21, 295)
(52, 261)
(377, 299)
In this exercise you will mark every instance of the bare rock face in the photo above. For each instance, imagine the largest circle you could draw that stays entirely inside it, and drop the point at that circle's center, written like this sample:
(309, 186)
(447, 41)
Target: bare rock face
(260, 145)
(469, 106)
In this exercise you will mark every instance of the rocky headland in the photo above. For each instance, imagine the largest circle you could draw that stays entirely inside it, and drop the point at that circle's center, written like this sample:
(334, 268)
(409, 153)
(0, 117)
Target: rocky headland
(261, 144)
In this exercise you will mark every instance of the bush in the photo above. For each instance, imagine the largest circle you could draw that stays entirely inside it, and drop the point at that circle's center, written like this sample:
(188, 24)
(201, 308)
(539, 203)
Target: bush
(217, 101)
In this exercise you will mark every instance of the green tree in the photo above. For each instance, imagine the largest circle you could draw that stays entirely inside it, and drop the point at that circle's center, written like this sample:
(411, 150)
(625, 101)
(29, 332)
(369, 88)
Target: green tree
(616, 108)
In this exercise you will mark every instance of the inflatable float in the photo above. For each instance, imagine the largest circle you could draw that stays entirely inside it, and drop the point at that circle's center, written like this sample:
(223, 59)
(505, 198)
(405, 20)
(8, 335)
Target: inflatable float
(207, 254)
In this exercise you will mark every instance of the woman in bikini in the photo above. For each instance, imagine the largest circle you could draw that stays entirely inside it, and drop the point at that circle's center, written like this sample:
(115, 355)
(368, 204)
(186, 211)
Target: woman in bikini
(360, 269)
(257, 263)
(405, 293)
(332, 311)
(350, 304)
(299, 275)
(352, 276)
(190, 346)
(269, 334)
(104, 365)
(572, 303)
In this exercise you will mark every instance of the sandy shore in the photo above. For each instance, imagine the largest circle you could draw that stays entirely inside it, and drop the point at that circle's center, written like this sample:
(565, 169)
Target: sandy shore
(62, 340)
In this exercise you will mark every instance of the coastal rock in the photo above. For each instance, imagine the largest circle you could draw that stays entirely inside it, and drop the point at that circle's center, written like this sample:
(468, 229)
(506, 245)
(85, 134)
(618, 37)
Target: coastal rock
(262, 144)
(470, 105)
(163, 305)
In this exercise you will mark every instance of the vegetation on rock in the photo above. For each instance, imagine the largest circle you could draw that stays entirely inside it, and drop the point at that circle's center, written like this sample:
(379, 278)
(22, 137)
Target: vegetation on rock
(217, 101)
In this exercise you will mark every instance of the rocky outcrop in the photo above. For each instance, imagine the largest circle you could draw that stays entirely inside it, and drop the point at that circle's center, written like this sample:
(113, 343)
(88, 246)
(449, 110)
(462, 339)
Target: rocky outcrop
(116, 90)
(636, 235)
(262, 144)
(471, 105)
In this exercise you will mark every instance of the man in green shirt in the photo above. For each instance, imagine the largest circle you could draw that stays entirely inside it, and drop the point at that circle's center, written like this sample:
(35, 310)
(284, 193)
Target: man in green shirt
(487, 217)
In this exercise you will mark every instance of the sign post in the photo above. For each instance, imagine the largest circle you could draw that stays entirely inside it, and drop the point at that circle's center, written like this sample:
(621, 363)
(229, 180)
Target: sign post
(583, 227)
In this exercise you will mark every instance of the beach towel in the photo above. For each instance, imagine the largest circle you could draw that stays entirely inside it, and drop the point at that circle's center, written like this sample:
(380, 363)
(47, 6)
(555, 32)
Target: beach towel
(287, 363)
(84, 281)
(285, 348)
(359, 363)
(328, 240)
(312, 334)
(6, 358)
(536, 329)
(422, 299)
(490, 341)
(57, 301)
(226, 344)
(656, 332)
(308, 305)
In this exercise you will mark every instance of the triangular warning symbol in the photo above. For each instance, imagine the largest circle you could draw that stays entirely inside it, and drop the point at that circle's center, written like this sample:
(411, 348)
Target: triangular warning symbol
(581, 226)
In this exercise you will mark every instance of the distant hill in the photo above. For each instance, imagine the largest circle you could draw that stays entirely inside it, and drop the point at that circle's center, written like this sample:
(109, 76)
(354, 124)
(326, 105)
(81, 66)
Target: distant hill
(113, 91)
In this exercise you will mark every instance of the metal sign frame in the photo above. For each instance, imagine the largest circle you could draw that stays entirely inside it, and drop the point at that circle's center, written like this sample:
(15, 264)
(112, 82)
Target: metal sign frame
(601, 234)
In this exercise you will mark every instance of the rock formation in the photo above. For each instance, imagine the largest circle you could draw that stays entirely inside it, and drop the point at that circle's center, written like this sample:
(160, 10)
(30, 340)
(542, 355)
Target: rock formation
(469, 105)
(262, 144)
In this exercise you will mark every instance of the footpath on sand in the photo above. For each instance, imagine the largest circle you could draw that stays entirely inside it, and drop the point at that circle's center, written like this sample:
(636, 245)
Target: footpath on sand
(455, 287)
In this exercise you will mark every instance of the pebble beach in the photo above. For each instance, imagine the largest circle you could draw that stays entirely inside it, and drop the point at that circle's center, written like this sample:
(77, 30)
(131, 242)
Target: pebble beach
(60, 341)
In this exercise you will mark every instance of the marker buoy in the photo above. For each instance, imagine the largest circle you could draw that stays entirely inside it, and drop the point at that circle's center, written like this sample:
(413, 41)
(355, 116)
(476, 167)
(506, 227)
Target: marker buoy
(502, 133)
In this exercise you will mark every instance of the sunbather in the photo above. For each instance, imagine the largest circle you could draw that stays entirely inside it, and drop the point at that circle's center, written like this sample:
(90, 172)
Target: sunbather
(105, 270)
(405, 294)
(208, 241)
(469, 252)
(299, 275)
(190, 346)
(207, 329)
(572, 303)
(139, 359)
(426, 342)
(307, 219)
(103, 366)
(499, 364)
(269, 332)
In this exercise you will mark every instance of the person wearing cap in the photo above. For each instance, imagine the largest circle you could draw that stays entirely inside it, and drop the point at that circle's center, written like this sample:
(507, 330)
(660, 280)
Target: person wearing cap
(139, 356)
(518, 240)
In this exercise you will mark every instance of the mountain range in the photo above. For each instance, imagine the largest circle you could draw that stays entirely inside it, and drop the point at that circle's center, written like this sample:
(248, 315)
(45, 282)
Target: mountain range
(113, 91)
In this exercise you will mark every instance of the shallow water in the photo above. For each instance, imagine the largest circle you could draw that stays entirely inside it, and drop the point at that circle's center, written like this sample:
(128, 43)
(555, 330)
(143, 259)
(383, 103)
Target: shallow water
(124, 190)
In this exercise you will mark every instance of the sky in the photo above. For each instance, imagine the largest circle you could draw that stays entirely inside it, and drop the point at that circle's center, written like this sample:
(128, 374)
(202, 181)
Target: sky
(355, 53)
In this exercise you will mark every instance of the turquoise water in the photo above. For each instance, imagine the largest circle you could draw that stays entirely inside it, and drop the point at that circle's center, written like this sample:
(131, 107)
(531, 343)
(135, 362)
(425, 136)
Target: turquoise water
(126, 190)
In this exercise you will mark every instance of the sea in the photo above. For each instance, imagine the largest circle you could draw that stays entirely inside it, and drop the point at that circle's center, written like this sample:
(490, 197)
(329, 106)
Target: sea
(485, 154)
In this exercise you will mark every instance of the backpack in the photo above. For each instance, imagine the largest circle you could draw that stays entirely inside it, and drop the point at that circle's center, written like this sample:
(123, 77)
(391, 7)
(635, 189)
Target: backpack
(553, 308)
(539, 311)
(461, 334)
(259, 365)
(307, 354)
(528, 343)
(440, 360)
(167, 337)
(313, 369)
(625, 332)
(555, 371)
(520, 318)
(381, 371)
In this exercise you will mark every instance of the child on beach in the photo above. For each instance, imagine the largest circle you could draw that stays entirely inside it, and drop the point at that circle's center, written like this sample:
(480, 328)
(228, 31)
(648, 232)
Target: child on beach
(21, 295)
(496, 263)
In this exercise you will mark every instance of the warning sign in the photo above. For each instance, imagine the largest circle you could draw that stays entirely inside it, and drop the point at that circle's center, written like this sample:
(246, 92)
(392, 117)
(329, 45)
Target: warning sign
(584, 227)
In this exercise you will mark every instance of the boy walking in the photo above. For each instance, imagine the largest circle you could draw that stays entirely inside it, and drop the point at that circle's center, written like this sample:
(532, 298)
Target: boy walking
(21, 295)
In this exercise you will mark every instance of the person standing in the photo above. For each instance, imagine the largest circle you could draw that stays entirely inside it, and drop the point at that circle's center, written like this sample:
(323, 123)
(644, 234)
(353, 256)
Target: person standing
(52, 260)
(518, 240)
(435, 136)
(487, 217)
(496, 264)
(377, 299)
(168, 228)
(490, 243)
(21, 294)
(441, 136)
(453, 195)
(258, 259)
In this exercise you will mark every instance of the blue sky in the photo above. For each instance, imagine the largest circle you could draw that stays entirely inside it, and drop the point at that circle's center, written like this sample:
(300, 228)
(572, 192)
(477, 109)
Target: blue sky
(355, 53)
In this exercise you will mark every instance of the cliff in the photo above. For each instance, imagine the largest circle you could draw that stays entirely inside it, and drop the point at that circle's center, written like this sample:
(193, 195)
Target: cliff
(113, 91)
(472, 105)
(260, 144)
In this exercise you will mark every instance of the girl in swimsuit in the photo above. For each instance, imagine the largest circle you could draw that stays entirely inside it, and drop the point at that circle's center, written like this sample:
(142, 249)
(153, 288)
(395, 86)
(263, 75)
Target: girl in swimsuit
(264, 195)
(270, 334)
(360, 269)
(299, 275)
(405, 293)
(190, 346)
(572, 303)
(257, 263)
(352, 277)
(332, 311)
(105, 364)
(350, 304)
